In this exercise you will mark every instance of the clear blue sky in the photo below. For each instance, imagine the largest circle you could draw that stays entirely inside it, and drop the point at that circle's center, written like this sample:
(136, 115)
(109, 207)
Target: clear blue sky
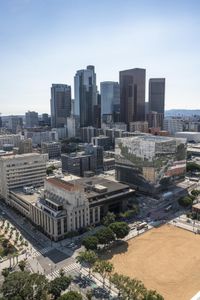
(46, 41)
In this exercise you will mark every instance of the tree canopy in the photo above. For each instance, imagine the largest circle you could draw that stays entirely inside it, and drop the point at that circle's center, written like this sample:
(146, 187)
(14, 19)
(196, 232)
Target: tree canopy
(90, 242)
(88, 258)
(58, 285)
(185, 201)
(109, 219)
(104, 268)
(120, 229)
(24, 285)
(71, 295)
(105, 236)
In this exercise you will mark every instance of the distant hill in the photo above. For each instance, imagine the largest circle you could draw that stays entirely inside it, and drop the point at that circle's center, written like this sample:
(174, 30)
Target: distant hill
(182, 112)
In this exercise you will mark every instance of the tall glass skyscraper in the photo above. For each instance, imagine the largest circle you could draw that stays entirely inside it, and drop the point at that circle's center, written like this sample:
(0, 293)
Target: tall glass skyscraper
(85, 91)
(157, 98)
(132, 95)
(60, 104)
(110, 101)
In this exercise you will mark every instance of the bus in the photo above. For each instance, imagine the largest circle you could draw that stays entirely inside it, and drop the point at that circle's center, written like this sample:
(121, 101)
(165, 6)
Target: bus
(142, 225)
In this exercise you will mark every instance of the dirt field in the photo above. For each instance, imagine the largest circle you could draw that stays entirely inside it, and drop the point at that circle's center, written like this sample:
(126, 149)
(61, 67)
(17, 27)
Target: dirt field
(166, 259)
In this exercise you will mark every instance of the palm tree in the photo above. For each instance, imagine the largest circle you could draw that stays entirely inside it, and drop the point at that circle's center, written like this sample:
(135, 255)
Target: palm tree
(87, 257)
(104, 268)
(22, 265)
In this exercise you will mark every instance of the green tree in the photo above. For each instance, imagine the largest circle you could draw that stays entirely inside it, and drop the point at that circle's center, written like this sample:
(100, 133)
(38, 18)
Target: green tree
(71, 295)
(50, 170)
(195, 192)
(185, 201)
(22, 265)
(120, 229)
(88, 257)
(109, 219)
(129, 288)
(58, 285)
(152, 295)
(118, 281)
(90, 242)
(104, 268)
(24, 285)
(5, 272)
(192, 166)
(105, 236)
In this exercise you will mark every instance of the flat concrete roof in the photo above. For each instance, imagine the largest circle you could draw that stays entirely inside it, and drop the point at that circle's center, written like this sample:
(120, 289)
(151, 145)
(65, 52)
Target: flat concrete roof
(111, 186)
(26, 198)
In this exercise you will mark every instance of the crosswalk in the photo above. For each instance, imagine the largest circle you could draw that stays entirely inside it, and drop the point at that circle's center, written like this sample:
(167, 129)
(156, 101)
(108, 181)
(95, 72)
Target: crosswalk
(36, 253)
(66, 269)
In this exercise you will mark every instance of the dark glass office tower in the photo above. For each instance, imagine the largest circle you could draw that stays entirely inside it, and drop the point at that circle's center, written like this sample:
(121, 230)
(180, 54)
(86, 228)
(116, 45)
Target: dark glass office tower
(132, 95)
(85, 101)
(157, 98)
(60, 104)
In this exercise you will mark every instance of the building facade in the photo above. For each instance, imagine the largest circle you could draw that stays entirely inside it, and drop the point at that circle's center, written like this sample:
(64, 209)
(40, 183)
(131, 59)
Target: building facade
(85, 101)
(141, 126)
(173, 125)
(64, 206)
(60, 104)
(157, 98)
(13, 139)
(110, 101)
(150, 163)
(25, 146)
(53, 149)
(31, 119)
(18, 171)
(132, 95)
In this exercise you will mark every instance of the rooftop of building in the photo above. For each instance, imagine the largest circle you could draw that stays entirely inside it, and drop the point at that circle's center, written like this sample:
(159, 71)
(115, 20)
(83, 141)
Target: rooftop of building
(149, 137)
(21, 156)
(51, 143)
(96, 185)
(32, 198)
(62, 184)
(188, 132)
(101, 137)
(76, 154)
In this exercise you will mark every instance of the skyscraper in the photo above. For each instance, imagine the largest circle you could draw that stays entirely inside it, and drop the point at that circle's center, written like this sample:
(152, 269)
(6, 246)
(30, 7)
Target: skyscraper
(157, 98)
(85, 96)
(60, 104)
(132, 95)
(110, 100)
(31, 119)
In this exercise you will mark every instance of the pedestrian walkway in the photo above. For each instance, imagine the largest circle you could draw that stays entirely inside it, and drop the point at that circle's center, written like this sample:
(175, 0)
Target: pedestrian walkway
(36, 253)
(66, 269)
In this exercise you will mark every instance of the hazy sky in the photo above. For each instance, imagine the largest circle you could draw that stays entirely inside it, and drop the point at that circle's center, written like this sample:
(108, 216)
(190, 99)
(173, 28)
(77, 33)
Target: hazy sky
(46, 41)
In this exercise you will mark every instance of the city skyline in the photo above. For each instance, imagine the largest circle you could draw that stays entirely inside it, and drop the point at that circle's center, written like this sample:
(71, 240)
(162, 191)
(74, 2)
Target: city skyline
(45, 42)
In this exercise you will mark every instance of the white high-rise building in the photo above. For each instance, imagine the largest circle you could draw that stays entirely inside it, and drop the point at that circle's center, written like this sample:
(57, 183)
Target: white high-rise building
(18, 171)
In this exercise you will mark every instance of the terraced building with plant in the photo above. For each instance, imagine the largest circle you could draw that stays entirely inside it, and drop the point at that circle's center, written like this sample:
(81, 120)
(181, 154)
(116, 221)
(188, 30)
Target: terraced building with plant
(150, 163)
